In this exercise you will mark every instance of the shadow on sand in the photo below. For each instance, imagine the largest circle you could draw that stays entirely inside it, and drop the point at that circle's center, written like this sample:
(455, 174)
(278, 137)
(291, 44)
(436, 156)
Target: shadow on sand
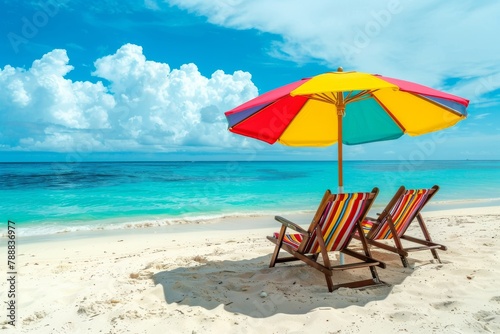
(251, 288)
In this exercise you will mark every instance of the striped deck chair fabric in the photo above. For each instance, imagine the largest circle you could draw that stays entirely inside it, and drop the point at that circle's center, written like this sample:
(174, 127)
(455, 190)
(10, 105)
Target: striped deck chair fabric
(402, 213)
(337, 224)
(332, 229)
(393, 223)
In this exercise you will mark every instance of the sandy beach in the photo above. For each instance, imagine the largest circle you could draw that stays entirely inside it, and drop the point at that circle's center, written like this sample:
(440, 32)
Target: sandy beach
(213, 277)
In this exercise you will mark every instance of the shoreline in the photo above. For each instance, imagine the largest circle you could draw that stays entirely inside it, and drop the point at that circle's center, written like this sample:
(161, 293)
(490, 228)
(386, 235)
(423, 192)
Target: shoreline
(140, 223)
(225, 223)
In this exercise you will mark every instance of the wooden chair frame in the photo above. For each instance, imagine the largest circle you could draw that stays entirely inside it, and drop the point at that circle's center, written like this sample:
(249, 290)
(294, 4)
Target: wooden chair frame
(385, 218)
(311, 258)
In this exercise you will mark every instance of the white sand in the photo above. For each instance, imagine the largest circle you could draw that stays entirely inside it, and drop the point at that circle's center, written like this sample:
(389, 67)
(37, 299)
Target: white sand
(209, 278)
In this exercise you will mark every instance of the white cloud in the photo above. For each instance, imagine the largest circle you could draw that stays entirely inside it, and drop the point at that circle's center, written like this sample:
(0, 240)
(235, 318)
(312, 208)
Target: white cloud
(145, 106)
(425, 41)
(481, 116)
(42, 95)
(151, 4)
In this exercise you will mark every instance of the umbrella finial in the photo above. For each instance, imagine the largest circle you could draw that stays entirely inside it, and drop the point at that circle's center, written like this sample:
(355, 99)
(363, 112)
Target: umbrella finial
(340, 69)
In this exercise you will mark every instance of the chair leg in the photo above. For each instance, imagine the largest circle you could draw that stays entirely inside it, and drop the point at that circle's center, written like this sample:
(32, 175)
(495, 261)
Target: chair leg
(427, 235)
(397, 242)
(329, 282)
(404, 261)
(326, 261)
(274, 256)
(278, 242)
(435, 254)
(375, 277)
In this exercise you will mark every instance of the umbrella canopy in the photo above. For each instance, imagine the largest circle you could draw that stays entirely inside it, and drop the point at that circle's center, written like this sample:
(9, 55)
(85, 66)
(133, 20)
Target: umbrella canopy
(345, 107)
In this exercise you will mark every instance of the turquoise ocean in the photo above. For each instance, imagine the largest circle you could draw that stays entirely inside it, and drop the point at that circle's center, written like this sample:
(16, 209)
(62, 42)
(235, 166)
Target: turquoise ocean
(47, 198)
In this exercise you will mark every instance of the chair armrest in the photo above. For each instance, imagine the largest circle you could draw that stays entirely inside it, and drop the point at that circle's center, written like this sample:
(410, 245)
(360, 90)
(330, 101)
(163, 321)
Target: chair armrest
(291, 225)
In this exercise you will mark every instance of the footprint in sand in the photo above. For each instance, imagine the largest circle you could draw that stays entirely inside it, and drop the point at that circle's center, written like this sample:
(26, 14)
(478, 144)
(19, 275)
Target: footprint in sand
(37, 316)
(489, 320)
(404, 316)
(446, 305)
(495, 299)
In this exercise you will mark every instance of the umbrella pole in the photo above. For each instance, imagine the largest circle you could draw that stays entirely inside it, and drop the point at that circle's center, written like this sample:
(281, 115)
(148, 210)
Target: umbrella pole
(340, 104)
(339, 155)
(340, 115)
(341, 181)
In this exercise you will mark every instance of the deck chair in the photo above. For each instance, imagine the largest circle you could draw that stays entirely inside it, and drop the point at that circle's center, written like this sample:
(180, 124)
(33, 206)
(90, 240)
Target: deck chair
(394, 221)
(332, 228)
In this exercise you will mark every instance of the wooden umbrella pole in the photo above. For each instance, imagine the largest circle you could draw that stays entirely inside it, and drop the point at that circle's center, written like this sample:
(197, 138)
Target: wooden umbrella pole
(339, 154)
(340, 115)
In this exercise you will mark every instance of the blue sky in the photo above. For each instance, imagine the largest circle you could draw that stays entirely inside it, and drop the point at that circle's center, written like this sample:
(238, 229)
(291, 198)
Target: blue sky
(151, 80)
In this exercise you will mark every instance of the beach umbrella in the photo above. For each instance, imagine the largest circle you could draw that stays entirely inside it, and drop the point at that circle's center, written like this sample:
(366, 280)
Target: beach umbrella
(346, 108)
